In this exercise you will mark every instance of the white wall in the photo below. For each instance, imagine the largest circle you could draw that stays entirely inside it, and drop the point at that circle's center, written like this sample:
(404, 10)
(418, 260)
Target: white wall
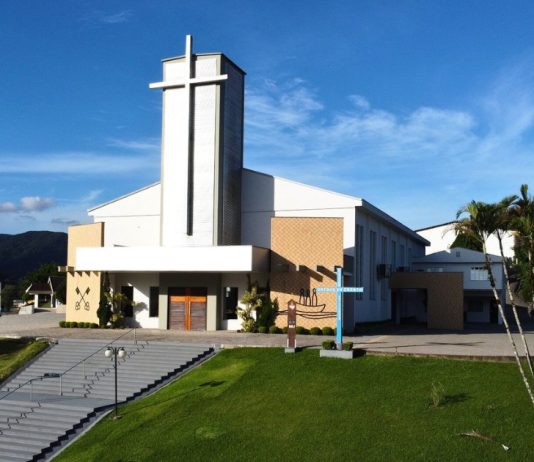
(441, 237)
(131, 220)
(141, 283)
(265, 196)
(379, 308)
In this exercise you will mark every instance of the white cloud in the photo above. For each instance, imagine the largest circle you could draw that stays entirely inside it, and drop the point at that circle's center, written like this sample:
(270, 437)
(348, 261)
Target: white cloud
(116, 18)
(387, 157)
(36, 203)
(27, 204)
(6, 207)
(79, 163)
(148, 144)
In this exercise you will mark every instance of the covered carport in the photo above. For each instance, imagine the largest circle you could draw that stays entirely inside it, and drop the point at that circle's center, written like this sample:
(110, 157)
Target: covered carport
(444, 296)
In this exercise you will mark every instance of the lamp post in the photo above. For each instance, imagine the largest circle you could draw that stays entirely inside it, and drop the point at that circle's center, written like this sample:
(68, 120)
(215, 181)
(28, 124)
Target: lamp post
(116, 352)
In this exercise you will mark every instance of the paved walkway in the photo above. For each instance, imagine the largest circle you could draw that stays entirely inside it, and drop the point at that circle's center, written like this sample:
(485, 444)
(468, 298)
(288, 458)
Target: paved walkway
(490, 343)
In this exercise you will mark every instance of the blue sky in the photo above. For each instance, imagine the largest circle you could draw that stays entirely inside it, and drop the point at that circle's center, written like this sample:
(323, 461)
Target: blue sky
(417, 106)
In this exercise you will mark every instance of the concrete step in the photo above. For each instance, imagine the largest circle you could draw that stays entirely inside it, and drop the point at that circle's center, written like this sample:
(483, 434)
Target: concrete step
(8, 456)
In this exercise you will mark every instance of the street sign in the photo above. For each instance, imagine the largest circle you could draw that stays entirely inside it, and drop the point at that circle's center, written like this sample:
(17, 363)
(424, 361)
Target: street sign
(339, 289)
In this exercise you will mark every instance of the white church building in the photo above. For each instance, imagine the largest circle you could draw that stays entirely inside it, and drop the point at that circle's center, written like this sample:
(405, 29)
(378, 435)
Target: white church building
(186, 248)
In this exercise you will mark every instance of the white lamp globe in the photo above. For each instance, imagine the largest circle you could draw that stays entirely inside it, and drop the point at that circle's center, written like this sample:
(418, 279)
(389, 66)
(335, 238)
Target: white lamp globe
(108, 353)
(122, 353)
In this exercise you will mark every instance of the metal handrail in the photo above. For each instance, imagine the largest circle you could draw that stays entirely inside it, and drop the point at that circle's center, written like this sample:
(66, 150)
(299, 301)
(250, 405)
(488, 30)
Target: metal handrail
(61, 374)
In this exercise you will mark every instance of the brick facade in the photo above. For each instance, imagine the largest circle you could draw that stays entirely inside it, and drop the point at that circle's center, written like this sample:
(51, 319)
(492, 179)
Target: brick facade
(299, 246)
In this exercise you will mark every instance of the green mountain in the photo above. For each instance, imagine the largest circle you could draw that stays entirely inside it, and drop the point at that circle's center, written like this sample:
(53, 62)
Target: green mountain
(22, 253)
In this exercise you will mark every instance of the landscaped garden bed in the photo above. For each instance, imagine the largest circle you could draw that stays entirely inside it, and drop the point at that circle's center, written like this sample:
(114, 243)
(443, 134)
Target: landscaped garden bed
(15, 352)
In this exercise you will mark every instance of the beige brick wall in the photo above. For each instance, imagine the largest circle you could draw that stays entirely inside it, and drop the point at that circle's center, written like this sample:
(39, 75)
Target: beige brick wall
(307, 242)
(83, 288)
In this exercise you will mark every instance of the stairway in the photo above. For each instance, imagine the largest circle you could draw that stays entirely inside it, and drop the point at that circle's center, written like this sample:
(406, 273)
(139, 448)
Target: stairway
(37, 417)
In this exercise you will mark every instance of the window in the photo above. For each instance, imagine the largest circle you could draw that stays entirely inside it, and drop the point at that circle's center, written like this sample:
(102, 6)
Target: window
(153, 309)
(402, 256)
(383, 259)
(127, 305)
(475, 306)
(393, 256)
(372, 265)
(230, 303)
(479, 273)
(359, 259)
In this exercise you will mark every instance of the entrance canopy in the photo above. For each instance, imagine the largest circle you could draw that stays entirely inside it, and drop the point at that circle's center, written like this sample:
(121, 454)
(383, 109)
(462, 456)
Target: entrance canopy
(231, 258)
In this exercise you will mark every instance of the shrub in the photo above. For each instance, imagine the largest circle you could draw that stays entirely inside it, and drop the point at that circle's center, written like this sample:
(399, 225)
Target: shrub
(263, 329)
(87, 325)
(93, 325)
(284, 330)
(274, 330)
(329, 345)
(328, 331)
(62, 323)
(316, 331)
(347, 346)
(437, 394)
(300, 330)
(73, 324)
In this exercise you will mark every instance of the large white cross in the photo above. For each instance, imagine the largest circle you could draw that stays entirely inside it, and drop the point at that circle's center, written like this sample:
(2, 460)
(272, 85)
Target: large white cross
(188, 82)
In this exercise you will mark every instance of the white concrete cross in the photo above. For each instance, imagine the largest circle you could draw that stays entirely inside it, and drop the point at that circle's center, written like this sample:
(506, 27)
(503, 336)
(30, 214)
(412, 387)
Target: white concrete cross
(189, 82)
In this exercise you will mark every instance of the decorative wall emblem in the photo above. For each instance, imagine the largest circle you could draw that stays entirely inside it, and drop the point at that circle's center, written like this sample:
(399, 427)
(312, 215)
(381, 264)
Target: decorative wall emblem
(81, 301)
(307, 306)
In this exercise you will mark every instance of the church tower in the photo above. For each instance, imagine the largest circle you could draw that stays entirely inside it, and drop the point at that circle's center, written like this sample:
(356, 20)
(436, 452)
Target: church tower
(201, 149)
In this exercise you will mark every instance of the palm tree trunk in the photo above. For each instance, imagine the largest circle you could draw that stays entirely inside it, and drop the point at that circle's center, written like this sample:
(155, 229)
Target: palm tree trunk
(514, 309)
(505, 322)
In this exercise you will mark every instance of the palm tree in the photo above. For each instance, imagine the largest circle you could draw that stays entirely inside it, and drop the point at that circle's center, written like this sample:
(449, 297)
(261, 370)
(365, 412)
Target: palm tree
(523, 224)
(479, 221)
(504, 220)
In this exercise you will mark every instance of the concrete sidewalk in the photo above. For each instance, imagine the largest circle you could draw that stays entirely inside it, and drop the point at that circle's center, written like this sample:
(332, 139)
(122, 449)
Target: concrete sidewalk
(491, 344)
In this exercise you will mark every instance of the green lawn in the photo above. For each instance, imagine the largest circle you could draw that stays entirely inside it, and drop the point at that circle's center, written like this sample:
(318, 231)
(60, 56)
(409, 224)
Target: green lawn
(264, 405)
(15, 352)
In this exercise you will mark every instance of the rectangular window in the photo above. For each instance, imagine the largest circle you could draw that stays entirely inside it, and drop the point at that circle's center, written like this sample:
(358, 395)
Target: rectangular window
(402, 256)
(372, 265)
(230, 303)
(393, 256)
(383, 259)
(475, 306)
(479, 273)
(153, 308)
(127, 305)
(359, 259)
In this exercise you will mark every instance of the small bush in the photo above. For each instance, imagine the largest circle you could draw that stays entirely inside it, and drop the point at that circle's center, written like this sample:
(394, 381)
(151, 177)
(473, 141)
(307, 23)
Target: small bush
(93, 325)
(73, 324)
(263, 329)
(328, 331)
(274, 330)
(87, 325)
(347, 346)
(437, 394)
(329, 345)
(62, 323)
(316, 331)
(284, 330)
(300, 330)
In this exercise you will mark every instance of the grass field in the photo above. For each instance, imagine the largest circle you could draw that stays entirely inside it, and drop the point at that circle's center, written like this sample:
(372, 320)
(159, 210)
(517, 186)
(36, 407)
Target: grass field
(264, 405)
(15, 352)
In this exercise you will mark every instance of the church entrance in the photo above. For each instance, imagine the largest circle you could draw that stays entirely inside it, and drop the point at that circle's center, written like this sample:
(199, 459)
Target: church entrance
(188, 308)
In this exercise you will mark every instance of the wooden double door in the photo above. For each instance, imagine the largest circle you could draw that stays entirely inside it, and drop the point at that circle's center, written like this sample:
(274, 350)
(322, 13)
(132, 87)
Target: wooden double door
(188, 308)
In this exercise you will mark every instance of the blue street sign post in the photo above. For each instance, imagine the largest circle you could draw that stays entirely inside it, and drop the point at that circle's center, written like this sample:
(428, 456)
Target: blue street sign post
(339, 290)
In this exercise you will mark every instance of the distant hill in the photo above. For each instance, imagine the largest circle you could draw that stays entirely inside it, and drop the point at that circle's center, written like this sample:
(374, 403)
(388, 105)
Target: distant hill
(22, 253)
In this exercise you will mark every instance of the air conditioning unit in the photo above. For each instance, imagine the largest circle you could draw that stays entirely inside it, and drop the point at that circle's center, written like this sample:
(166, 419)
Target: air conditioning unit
(383, 271)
